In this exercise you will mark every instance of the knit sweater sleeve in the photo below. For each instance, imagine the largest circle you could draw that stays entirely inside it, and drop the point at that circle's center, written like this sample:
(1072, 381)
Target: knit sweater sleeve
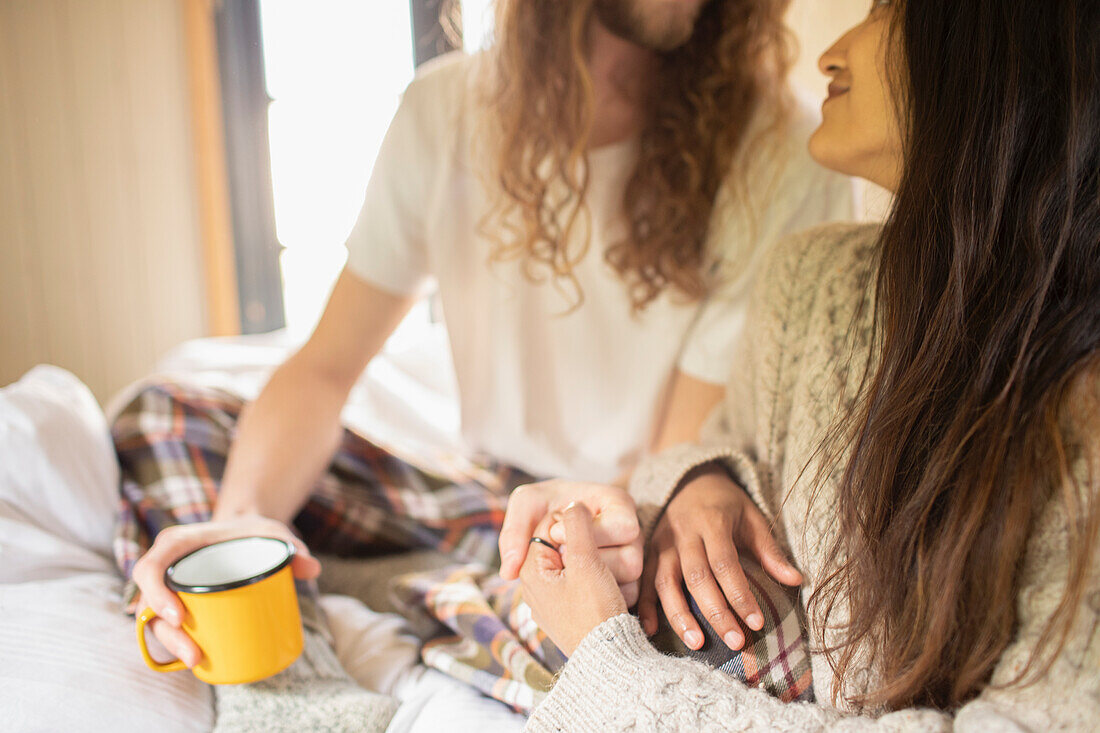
(617, 681)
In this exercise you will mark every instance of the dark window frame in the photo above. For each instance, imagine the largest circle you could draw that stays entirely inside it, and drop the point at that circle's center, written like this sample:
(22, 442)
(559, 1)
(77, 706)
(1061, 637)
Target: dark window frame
(245, 104)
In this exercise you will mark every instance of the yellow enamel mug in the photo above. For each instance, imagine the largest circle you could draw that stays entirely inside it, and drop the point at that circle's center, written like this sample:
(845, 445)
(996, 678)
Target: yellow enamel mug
(241, 610)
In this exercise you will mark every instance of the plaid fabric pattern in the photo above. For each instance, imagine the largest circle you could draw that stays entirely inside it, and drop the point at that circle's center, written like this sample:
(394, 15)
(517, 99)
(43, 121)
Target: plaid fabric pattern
(489, 640)
(775, 658)
(172, 441)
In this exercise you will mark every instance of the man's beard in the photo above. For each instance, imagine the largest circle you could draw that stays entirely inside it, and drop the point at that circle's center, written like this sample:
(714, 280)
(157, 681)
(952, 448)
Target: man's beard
(661, 29)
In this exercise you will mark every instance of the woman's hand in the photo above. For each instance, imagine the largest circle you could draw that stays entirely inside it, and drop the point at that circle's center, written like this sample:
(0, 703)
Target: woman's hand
(696, 542)
(173, 543)
(615, 527)
(572, 591)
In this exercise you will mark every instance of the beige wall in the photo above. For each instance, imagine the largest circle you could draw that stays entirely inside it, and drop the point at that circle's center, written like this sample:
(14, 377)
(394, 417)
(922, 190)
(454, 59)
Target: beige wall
(817, 24)
(100, 266)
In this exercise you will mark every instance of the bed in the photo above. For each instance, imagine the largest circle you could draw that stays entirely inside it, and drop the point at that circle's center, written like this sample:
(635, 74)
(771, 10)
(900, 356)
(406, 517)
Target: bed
(68, 659)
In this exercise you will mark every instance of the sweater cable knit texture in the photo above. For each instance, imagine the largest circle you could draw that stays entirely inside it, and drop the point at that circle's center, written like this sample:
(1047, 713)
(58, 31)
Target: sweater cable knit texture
(806, 346)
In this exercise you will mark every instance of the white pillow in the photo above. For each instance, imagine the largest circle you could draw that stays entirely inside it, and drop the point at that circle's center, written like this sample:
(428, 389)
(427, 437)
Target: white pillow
(69, 661)
(68, 656)
(58, 479)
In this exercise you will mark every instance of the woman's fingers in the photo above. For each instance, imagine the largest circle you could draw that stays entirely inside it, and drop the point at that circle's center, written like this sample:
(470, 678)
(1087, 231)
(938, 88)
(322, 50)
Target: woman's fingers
(540, 558)
(616, 522)
(176, 641)
(647, 595)
(669, 590)
(572, 594)
(709, 597)
(725, 563)
(755, 534)
(584, 551)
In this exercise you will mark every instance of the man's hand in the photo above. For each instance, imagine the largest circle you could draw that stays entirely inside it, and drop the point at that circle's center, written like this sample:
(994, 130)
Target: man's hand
(173, 543)
(696, 543)
(614, 527)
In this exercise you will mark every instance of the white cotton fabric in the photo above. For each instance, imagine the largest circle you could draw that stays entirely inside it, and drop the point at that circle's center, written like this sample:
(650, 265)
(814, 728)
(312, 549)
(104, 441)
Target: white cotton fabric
(68, 656)
(558, 392)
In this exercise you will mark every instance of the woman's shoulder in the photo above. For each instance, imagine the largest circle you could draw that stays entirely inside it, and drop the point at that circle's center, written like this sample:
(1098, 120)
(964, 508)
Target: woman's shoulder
(820, 256)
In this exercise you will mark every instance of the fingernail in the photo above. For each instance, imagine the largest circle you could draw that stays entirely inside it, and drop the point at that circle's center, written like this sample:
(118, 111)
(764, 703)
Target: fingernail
(733, 640)
(755, 621)
(170, 615)
(694, 639)
(570, 506)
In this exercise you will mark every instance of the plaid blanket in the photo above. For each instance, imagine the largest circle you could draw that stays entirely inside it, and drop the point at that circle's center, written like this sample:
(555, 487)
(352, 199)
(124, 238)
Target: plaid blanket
(172, 442)
(488, 639)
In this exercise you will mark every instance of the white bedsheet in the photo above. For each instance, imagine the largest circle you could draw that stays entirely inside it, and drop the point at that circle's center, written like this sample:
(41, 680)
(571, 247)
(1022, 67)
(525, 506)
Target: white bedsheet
(68, 658)
(406, 399)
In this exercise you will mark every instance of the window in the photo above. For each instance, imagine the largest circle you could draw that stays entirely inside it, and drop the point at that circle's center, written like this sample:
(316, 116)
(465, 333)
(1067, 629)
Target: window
(308, 92)
(335, 70)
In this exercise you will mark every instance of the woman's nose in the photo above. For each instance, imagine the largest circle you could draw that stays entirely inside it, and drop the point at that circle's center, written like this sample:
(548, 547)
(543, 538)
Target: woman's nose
(835, 59)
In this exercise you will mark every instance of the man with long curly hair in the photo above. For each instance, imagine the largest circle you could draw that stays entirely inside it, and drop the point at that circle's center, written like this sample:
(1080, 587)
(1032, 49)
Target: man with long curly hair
(591, 197)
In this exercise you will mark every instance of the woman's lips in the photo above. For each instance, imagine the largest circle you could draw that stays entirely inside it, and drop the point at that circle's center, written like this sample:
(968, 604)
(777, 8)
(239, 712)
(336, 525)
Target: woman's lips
(836, 90)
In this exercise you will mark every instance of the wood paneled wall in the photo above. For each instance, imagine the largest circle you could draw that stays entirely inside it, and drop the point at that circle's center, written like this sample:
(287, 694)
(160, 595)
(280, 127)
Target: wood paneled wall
(100, 253)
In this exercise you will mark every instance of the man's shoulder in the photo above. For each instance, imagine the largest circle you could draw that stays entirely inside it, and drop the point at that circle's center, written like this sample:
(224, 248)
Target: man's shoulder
(437, 107)
(447, 68)
(445, 78)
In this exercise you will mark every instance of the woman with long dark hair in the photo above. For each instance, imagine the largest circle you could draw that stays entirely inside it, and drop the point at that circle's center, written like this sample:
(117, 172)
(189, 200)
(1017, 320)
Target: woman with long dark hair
(920, 413)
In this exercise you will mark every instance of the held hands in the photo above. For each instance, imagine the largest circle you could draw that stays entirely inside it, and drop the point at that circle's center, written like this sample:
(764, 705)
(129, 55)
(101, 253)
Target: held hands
(570, 590)
(174, 542)
(615, 529)
(696, 541)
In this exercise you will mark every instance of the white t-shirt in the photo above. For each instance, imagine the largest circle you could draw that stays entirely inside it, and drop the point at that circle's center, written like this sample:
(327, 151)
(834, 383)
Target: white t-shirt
(559, 393)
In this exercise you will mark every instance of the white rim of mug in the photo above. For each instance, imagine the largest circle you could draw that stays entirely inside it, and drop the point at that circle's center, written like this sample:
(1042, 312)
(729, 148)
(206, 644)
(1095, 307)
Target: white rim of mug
(183, 588)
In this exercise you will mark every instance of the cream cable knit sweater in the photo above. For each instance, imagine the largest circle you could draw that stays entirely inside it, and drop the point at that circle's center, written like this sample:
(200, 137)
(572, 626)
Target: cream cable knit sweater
(781, 401)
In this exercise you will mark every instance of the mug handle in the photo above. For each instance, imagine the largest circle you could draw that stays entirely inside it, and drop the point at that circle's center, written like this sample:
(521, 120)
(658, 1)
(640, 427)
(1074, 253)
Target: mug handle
(177, 664)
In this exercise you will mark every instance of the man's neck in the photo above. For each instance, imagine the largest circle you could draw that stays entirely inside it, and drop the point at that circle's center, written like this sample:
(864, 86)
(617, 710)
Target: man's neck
(619, 72)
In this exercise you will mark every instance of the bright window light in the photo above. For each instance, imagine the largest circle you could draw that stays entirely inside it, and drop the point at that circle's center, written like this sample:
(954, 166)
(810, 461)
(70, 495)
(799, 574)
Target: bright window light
(477, 24)
(335, 70)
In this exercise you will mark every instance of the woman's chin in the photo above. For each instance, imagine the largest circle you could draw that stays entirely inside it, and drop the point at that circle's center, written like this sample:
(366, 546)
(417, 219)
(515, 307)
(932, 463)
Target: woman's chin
(824, 150)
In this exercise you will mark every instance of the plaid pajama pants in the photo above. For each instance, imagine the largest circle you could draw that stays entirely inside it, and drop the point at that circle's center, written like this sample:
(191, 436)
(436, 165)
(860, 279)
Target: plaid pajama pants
(172, 441)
